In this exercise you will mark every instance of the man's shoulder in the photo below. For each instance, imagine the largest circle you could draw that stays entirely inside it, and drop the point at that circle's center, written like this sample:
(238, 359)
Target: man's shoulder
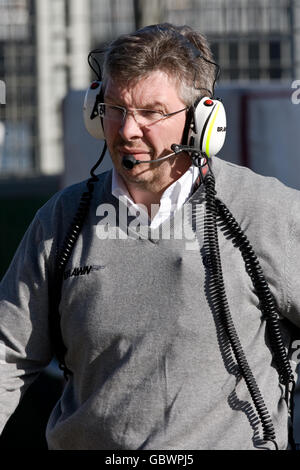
(73, 192)
(65, 202)
(99, 181)
(241, 184)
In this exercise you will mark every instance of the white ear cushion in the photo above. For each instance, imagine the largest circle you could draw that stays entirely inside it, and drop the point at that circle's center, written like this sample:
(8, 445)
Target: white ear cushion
(209, 131)
(93, 125)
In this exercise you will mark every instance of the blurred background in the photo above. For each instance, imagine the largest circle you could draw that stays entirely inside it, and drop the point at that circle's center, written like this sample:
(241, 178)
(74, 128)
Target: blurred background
(43, 143)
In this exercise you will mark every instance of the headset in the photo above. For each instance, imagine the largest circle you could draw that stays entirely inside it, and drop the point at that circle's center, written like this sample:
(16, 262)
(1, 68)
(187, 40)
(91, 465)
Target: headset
(206, 121)
(91, 116)
(204, 136)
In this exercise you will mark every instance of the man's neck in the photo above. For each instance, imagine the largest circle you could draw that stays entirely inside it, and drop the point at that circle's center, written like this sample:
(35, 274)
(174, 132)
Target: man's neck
(146, 198)
(150, 193)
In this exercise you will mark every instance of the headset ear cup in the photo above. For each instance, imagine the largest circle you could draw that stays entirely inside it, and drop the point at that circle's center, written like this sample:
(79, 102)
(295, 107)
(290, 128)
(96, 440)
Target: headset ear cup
(187, 127)
(208, 126)
(92, 121)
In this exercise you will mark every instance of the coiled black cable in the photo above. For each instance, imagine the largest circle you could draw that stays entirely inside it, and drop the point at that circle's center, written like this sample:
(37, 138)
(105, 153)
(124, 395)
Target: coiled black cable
(62, 259)
(267, 301)
(222, 308)
(79, 218)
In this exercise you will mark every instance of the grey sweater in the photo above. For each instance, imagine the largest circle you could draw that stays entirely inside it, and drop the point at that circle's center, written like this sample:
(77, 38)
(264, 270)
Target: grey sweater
(151, 364)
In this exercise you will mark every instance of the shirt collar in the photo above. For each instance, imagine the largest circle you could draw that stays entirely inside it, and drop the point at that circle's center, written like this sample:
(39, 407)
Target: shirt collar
(178, 192)
(171, 200)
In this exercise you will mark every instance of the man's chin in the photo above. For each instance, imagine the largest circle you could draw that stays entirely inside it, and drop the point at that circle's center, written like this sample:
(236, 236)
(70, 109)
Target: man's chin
(138, 175)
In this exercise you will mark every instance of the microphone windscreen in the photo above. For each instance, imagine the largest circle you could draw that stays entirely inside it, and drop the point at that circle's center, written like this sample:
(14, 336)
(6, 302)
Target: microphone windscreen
(129, 162)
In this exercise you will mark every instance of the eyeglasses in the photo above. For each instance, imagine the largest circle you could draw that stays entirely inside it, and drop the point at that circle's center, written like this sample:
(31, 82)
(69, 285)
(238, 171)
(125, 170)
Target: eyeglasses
(143, 117)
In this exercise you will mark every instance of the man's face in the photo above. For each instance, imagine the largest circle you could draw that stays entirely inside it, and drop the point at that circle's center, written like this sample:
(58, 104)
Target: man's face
(156, 92)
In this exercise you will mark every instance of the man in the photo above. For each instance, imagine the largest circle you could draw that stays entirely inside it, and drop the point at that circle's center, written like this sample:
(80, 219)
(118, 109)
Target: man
(155, 360)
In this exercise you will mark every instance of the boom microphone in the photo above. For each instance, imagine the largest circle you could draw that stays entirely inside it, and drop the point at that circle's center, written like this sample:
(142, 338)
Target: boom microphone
(129, 161)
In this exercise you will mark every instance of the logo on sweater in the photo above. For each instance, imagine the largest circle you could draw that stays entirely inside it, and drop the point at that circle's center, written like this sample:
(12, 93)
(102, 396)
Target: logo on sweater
(82, 270)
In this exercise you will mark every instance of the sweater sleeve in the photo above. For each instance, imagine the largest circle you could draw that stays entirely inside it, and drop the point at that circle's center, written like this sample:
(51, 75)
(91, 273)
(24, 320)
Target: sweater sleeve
(292, 270)
(24, 337)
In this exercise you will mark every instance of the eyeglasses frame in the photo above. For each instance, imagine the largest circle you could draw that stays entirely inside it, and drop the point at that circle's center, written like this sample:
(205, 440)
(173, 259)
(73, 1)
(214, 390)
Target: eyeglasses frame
(134, 110)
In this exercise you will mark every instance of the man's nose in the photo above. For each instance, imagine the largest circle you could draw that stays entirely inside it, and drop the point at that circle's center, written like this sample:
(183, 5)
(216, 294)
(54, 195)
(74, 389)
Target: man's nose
(130, 129)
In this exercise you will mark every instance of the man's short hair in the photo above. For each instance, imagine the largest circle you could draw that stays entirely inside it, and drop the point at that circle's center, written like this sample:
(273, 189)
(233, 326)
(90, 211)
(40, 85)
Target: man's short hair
(165, 47)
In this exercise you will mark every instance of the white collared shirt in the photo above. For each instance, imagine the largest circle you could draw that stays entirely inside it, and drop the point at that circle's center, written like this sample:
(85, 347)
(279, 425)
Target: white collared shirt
(171, 200)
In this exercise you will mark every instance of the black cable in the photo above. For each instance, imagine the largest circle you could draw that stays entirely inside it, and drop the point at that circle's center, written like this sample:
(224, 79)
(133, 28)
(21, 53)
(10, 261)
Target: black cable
(217, 74)
(79, 218)
(267, 301)
(222, 310)
(91, 59)
(61, 262)
(267, 306)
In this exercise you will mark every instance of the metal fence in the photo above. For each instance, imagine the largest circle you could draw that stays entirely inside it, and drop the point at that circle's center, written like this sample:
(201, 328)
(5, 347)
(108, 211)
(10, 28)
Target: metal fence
(44, 44)
(18, 71)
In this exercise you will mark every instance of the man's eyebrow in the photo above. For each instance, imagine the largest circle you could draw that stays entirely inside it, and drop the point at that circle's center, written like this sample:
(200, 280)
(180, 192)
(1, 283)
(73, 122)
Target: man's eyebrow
(150, 105)
(154, 104)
